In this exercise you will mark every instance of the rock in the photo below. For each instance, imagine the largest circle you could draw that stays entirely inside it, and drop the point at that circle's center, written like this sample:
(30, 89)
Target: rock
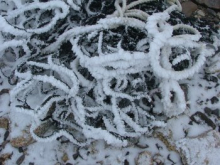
(144, 158)
(142, 146)
(20, 159)
(3, 91)
(6, 134)
(214, 100)
(189, 8)
(216, 112)
(65, 157)
(208, 111)
(5, 157)
(126, 162)
(211, 12)
(21, 141)
(3, 144)
(203, 149)
(218, 14)
(215, 4)
(211, 78)
(201, 118)
(4, 123)
(216, 21)
(200, 13)
(158, 159)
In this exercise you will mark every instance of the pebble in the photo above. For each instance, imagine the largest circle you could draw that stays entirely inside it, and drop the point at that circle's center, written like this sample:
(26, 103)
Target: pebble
(200, 13)
(6, 135)
(4, 91)
(218, 14)
(214, 100)
(144, 158)
(21, 141)
(201, 118)
(216, 112)
(4, 123)
(208, 111)
(126, 162)
(211, 78)
(5, 156)
(2, 146)
(65, 157)
(215, 4)
(20, 159)
(211, 12)
(189, 8)
(158, 159)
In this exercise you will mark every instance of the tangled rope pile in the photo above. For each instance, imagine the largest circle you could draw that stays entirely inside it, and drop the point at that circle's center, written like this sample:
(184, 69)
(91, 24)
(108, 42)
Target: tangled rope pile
(99, 75)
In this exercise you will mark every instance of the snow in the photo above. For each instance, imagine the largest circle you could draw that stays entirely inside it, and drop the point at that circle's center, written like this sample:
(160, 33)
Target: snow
(178, 126)
(19, 123)
(202, 150)
(128, 132)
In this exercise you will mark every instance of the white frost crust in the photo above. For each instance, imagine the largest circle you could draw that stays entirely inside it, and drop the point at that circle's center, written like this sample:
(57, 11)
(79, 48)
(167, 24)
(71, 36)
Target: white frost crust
(56, 4)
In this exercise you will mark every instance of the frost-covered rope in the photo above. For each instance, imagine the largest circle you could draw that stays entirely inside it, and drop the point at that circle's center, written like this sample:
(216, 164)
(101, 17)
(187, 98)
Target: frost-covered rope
(42, 6)
(107, 87)
(163, 37)
(126, 9)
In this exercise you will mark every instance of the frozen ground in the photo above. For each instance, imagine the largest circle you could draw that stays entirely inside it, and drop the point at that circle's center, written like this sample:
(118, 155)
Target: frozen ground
(191, 132)
(160, 147)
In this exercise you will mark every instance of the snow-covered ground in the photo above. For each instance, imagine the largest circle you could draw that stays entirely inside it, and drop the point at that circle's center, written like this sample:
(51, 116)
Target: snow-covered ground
(154, 148)
(185, 129)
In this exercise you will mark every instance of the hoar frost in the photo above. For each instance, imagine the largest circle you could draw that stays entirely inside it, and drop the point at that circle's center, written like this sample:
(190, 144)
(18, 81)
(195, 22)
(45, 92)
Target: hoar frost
(89, 73)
